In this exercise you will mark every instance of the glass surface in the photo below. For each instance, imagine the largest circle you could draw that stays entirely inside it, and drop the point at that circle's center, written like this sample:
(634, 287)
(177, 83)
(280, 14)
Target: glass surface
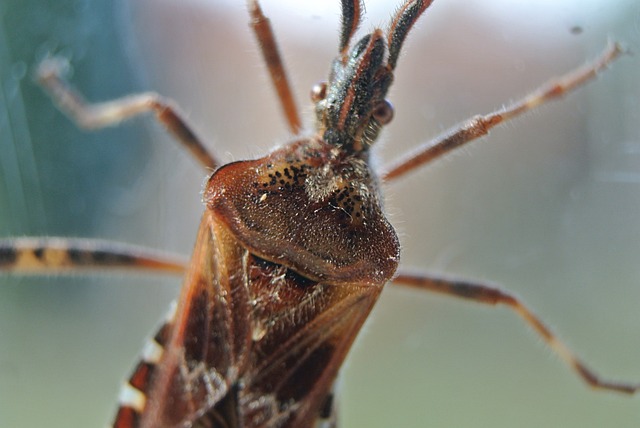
(546, 206)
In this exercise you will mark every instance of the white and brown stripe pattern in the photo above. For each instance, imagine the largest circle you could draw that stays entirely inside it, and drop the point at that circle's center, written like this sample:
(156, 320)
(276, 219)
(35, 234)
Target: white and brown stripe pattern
(132, 397)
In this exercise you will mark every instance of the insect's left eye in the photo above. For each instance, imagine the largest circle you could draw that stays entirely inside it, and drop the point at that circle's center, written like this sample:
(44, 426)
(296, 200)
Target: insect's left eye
(319, 92)
(383, 112)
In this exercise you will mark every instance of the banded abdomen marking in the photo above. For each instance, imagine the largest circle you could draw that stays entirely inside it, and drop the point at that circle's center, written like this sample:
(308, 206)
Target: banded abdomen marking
(132, 398)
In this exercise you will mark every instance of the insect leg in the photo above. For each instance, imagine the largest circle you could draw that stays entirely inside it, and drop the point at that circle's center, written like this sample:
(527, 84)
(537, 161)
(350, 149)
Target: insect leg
(479, 126)
(264, 33)
(109, 113)
(487, 294)
(56, 255)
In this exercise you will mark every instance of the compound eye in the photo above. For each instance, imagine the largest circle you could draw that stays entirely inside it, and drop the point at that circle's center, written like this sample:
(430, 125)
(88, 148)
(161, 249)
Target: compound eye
(319, 92)
(383, 112)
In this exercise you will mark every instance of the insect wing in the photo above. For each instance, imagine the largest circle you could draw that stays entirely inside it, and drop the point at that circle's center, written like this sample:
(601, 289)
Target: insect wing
(252, 343)
(208, 338)
(302, 331)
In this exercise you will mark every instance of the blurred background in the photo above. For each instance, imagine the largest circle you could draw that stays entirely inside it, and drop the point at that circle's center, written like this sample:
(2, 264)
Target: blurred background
(546, 206)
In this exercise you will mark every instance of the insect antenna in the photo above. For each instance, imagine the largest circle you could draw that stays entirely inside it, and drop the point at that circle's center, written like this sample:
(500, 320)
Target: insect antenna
(351, 16)
(406, 16)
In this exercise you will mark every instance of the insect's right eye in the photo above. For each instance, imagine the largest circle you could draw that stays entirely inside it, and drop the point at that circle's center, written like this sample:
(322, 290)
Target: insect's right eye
(319, 92)
(383, 112)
